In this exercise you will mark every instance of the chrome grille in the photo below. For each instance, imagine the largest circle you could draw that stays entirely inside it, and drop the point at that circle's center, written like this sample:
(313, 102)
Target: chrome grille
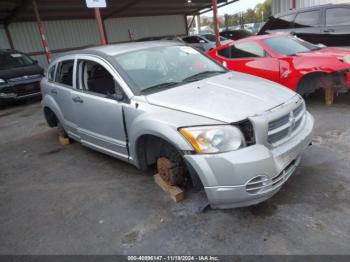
(283, 127)
(279, 122)
(24, 78)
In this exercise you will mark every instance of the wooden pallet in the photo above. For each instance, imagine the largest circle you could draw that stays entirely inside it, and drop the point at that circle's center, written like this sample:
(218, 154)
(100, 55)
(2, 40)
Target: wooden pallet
(175, 193)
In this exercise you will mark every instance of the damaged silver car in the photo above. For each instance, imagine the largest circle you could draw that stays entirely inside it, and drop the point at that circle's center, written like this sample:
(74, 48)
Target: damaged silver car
(237, 136)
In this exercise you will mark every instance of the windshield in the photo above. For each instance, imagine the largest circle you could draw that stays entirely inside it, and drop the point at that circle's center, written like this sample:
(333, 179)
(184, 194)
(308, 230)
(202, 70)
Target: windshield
(289, 45)
(211, 37)
(11, 60)
(165, 67)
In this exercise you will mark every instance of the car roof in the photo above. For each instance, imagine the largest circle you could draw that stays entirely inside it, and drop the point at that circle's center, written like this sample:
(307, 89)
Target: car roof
(109, 51)
(117, 49)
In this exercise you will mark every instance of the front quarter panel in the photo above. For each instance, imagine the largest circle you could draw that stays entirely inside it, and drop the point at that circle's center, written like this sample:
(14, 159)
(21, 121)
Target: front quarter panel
(145, 119)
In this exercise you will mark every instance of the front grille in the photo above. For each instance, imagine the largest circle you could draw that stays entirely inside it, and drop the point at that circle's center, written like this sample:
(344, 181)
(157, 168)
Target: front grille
(27, 89)
(279, 122)
(283, 127)
(7, 90)
(23, 89)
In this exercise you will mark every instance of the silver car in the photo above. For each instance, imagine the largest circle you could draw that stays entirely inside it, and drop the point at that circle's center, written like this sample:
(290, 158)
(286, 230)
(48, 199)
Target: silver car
(204, 42)
(238, 136)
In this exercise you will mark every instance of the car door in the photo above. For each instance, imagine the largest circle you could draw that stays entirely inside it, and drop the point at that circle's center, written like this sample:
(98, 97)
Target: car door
(250, 58)
(337, 26)
(99, 115)
(60, 88)
(307, 25)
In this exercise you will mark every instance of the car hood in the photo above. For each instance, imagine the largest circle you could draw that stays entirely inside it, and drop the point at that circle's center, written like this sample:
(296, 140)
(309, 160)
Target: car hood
(20, 71)
(338, 53)
(228, 97)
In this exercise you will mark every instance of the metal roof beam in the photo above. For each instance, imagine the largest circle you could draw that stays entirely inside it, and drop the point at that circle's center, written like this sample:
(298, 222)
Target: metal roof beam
(120, 9)
(23, 4)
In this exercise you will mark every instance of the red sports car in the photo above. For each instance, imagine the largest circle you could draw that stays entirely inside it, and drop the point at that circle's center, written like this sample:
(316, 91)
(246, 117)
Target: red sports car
(288, 60)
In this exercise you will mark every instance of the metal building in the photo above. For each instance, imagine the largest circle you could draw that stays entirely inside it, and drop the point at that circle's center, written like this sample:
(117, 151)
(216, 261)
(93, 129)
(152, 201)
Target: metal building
(45, 27)
(279, 6)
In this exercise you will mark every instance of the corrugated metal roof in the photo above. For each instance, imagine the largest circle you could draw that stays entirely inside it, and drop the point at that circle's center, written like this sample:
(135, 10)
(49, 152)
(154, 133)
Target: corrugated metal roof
(118, 29)
(22, 10)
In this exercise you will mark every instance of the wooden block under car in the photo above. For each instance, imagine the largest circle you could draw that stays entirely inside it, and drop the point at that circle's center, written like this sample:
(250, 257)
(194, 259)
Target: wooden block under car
(63, 140)
(329, 96)
(176, 193)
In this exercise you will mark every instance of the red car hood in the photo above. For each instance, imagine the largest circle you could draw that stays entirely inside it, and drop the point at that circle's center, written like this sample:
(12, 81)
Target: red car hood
(326, 60)
(338, 53)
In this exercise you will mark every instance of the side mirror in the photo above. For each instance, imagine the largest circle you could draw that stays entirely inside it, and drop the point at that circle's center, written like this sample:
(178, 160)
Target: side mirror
(119, 94)
(321, 45)
(35, 62)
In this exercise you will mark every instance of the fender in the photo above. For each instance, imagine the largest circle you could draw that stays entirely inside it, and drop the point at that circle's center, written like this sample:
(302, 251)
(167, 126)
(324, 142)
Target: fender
(293, 69)
(49, 102)
(143, 126)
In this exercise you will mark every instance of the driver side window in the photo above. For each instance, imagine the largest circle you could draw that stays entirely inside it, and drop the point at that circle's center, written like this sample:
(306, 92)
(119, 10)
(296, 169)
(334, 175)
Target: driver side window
(243, 50)
(94, 78)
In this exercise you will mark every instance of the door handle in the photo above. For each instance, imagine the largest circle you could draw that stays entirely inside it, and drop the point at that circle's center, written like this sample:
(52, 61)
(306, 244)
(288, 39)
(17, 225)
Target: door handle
(329, 30)
(77, 99)
(54, 91)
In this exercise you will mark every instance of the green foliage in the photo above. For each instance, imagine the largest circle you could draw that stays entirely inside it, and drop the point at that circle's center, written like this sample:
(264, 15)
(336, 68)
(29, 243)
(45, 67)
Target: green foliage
(261, 12)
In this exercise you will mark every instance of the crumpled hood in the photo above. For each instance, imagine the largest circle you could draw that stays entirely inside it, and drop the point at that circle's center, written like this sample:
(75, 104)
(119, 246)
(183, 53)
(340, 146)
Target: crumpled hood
(228, 97)
(327, 52)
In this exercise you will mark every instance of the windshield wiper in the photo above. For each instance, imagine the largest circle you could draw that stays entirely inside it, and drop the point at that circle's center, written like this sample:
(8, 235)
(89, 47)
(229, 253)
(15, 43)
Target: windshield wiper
(161, 86)
(202, 75)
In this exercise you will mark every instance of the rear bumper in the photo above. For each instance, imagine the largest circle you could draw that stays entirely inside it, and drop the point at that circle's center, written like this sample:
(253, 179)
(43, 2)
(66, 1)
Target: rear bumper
(228, 178)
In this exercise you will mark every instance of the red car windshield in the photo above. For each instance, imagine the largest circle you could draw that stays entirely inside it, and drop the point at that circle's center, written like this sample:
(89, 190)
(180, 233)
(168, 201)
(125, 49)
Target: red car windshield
(289, 45)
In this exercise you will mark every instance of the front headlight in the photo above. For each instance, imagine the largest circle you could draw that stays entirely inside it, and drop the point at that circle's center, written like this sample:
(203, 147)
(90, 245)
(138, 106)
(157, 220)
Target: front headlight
(2, 81)
(213, 139)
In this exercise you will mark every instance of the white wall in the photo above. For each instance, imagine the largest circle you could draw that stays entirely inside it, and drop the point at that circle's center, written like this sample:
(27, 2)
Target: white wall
(117, 28)
(279, 6)
(84, 32)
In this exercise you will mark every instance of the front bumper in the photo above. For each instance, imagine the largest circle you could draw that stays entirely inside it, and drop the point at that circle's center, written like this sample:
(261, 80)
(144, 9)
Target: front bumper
(229, 178)
(20, 90)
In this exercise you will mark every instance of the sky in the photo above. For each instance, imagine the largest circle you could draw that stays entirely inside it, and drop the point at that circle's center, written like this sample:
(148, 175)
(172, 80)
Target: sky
(236, 7)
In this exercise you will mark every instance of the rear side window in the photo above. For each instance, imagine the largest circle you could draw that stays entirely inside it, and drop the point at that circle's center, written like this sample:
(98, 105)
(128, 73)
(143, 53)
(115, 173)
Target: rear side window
(51, 73)
(243, 50)
(307, 19)
(64, 73)
(338, 16)
(283, 22)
